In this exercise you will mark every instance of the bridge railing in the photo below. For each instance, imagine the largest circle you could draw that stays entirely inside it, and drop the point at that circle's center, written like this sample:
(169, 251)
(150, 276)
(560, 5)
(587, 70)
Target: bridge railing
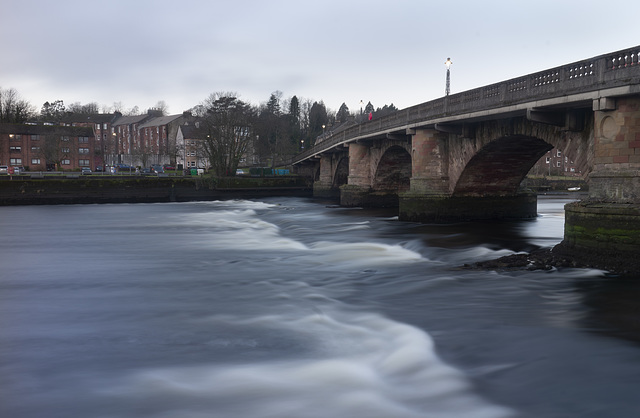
(604, 71)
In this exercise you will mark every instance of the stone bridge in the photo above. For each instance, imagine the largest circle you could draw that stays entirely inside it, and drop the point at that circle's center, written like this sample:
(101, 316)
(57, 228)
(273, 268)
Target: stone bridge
(464, 156)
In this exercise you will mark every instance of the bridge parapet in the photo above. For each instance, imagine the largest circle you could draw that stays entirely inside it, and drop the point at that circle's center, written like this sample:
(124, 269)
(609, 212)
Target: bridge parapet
(615, 69)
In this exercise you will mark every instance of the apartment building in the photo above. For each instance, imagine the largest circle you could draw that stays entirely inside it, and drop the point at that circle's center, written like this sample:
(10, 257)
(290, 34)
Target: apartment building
(41, 147)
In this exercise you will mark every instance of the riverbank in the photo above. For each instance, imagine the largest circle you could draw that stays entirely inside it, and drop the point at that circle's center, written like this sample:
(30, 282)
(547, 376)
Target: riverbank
(140, 189)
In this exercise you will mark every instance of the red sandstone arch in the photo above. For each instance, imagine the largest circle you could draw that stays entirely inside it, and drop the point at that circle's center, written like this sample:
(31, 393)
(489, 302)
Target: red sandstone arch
(393, 172)
(499, 167)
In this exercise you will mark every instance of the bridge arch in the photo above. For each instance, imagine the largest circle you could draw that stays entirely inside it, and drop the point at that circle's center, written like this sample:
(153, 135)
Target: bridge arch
(501, 155)
(393, 171)
(341, 173)
(499, 167)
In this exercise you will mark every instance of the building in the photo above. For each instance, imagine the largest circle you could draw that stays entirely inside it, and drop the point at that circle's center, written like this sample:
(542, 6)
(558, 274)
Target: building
(40, 147)
(556, 163)
(156, 142)
(189, 144)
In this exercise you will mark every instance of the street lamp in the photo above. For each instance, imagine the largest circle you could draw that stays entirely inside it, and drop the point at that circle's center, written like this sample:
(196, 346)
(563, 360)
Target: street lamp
(361, 103)
(302, 144)
(322, 131)
(447, 87)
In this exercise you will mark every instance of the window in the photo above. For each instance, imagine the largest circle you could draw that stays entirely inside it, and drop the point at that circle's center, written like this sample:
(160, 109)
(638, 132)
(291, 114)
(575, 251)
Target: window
(65, 162)
(105, 126)
(35, 149)
(35, 137)
(66, 150)
(15, 137)
(548, 160)
(558, 163)
(97, 126)
(15, 149)
(83, 139)
(35, 161)
(15, 161)
(558, 153)
(84, 163)
(83, 150)
(65, 138)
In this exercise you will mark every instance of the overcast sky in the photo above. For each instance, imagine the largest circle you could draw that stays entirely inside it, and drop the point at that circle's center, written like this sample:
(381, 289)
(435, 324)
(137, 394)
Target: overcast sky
(138, 52)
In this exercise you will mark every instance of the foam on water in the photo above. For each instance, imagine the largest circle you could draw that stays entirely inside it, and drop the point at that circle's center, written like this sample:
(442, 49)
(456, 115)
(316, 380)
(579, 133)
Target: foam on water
(363, 365)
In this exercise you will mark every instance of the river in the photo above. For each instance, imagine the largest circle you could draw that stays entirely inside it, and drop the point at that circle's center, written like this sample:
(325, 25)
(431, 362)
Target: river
(291, 307)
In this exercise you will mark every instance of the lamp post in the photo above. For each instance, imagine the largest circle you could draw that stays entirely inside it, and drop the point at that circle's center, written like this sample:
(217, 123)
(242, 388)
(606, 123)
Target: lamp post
(447, 87)
(322, 131)
(361, 103)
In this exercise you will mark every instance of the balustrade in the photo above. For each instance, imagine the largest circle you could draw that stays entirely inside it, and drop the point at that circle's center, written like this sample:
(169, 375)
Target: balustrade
(585, 75)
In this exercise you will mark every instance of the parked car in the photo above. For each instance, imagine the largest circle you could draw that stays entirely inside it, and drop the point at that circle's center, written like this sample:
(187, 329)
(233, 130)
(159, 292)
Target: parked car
(4, 169)
(124, 167)
(18, 169)
(168, 167)
(145, 170)
(157, 169)
(86, 170)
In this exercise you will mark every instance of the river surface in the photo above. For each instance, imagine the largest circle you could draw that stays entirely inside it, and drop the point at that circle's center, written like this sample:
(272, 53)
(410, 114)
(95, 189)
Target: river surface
(289, 307)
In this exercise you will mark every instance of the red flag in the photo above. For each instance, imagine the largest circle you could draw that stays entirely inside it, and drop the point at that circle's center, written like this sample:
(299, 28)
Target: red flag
(370, 115)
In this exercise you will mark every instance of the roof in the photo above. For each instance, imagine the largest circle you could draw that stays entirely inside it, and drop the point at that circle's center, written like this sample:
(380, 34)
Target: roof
(33, 129)
(128, 120)
(159, 121)
(89, 118)
(192, 132)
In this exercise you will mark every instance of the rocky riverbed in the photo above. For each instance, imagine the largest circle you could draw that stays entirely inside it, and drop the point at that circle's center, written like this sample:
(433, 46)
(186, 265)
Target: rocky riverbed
(559, 257)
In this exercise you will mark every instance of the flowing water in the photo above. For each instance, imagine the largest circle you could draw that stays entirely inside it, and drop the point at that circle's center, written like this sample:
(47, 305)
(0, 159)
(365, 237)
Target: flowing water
(289, 307)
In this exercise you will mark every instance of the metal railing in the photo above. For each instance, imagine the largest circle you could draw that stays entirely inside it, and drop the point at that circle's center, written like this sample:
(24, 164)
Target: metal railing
(605, 71)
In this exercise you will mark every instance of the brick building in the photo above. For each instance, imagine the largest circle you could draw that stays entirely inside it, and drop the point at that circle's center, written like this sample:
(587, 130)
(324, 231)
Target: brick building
(39, 147)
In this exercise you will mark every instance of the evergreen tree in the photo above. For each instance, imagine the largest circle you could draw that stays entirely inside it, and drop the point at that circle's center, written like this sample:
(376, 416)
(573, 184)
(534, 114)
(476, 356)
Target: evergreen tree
(343, 113)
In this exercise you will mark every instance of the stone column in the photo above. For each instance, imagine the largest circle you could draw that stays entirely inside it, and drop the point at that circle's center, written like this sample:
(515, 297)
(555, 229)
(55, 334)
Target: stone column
(616, 162)
(604, 230)
(359, 166)
(324, 186)
(429, 163)
(358, 188)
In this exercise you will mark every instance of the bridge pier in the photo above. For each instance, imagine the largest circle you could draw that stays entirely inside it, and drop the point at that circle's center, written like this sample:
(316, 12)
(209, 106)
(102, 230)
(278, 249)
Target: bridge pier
(442, 209)
(430, 198)
(604, 230)
(325, 187)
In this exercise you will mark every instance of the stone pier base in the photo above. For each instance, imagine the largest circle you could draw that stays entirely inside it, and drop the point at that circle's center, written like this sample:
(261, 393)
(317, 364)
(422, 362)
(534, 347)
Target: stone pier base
(324, 190)
(443, 209)
(603, 235)
(358, 196)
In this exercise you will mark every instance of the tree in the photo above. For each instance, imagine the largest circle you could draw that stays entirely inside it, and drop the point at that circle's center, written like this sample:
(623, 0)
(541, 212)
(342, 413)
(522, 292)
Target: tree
(385, 110)
(368, 108)
(52, 112)
(317, 118)
(228, 122)
(12, 108)
(55, 147)
(84, 109)
(343, 113)
(294, 109)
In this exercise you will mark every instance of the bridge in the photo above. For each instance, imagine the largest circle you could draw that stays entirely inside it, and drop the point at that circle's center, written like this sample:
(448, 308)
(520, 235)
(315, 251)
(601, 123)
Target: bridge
(464, 156)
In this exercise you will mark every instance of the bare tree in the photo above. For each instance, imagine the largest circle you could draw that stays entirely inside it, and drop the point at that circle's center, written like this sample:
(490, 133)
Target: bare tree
(55, 147)
(12, 108)
(228, 123)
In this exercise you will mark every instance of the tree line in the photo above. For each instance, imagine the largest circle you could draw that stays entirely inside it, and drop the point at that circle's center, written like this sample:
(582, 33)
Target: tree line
(274, 130)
